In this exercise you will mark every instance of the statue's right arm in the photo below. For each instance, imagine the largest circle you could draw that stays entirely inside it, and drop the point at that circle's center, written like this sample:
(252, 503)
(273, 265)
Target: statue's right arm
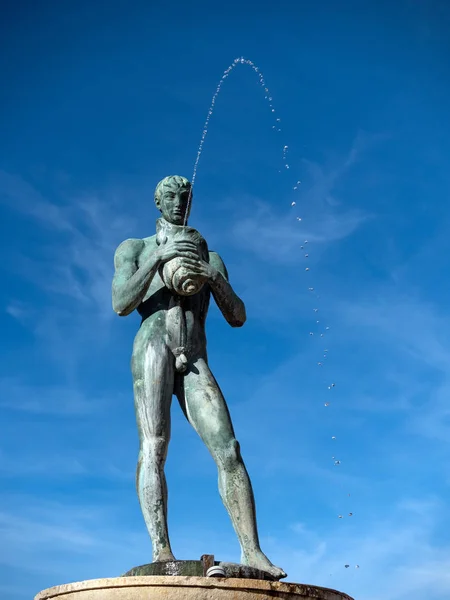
(130, 283)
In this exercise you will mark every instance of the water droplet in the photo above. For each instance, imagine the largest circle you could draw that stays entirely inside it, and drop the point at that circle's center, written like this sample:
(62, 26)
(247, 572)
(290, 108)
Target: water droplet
(301, 247)
(295, 187)
(337, 462)
(320, 364)
(293, 203)
(307, 269)
(346, 566)
(327, 328)
(311, 333)
(298, 182)
(340, 517)
(299, 218)
(333, 437)
(356, 566)
(287, 166)
(350, 514)
(315, 309)
(311, 289)
(305, 242)
(278, 120)
(327, 404)
(306, 255)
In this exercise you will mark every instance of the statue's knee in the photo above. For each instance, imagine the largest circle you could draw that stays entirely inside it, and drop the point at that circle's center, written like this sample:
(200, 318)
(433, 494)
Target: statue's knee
(230, 454)
(153, 448)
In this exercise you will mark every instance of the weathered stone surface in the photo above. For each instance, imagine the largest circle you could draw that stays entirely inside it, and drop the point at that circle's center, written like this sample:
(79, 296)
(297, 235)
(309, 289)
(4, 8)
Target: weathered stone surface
(195, 568)
(186, 588)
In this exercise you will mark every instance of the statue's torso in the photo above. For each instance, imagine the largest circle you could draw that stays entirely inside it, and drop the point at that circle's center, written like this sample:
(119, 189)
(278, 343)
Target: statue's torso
(155, 307)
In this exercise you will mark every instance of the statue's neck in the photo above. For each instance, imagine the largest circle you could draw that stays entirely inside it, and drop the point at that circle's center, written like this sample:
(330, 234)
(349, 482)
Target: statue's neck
(164, 226)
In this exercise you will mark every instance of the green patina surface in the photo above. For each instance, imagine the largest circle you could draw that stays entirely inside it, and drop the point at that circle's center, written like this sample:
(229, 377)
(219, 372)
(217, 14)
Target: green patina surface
(169, 279)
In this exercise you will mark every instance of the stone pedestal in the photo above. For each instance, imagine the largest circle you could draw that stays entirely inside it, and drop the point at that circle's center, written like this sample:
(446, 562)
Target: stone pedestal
(186, 588)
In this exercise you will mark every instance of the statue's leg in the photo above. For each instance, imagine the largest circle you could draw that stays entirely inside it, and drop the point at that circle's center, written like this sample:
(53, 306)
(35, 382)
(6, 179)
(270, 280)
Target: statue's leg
(153, 375)
(206, 409)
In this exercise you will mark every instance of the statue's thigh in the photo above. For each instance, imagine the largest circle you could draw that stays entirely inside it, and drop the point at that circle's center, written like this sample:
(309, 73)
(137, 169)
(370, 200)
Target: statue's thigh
(153, 377)
(205, 406)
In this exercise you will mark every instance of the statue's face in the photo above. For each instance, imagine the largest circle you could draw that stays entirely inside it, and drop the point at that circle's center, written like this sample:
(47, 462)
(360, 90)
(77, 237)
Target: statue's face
(174, 204)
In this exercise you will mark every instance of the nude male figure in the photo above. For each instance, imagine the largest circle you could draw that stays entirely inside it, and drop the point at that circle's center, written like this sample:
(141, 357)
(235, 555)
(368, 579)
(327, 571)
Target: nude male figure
(162, 369)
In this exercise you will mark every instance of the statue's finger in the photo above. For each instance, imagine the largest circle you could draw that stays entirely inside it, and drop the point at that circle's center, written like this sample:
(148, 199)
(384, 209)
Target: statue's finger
(195, 268)
(191, 262)
(187, 249)
(185, 243)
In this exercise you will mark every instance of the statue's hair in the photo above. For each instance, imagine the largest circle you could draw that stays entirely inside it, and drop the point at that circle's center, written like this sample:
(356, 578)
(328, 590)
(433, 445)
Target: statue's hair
(172, 182)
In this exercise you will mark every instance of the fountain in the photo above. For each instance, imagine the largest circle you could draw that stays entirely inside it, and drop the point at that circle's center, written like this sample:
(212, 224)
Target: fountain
(169, 278)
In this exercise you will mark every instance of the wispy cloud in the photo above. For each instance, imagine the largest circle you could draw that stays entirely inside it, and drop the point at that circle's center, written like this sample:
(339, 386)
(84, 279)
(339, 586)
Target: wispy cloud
(55, 400)
(277, 236)
(47, 467)
(79, 541)
(70, 269)
(18, 195)
(78, 261)
(64, 533)
(399, 545)
(414, 332)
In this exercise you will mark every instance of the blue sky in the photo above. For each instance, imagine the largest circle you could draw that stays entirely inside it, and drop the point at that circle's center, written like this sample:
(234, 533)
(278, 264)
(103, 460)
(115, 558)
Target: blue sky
(98, 104)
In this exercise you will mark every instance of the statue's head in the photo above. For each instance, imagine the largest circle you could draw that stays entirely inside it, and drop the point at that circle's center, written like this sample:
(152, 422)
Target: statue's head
(172, 199)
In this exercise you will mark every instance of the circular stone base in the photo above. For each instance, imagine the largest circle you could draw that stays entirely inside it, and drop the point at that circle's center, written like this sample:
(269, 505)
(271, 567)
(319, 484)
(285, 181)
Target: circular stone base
(186, 588)
(194, 568)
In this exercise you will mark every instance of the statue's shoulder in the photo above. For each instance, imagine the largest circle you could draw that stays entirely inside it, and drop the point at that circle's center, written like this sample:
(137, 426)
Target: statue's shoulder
(129, 249)
(216, 261)
(214, 256)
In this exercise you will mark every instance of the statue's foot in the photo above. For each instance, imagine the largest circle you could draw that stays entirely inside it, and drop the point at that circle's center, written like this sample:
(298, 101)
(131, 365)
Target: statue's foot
(163, 556)
(258, 560)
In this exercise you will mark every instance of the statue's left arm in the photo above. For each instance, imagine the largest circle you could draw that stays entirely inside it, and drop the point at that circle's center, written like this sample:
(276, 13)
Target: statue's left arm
(229, 303)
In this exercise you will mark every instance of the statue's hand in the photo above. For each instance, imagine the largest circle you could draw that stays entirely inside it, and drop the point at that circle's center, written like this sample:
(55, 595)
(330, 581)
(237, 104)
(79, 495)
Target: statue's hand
(169, 249)
(201, 268)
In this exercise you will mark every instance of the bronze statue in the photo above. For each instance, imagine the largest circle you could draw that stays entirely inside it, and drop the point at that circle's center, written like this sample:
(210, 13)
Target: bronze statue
(169, 278)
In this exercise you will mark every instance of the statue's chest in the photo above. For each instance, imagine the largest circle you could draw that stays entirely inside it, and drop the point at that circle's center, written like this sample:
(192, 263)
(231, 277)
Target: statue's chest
(159, 295)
